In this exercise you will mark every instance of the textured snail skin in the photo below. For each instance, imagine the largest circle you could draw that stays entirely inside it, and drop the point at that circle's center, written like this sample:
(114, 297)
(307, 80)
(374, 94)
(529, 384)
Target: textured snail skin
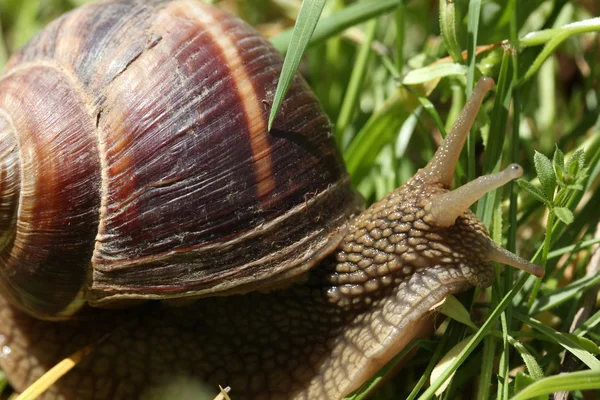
(365, 284)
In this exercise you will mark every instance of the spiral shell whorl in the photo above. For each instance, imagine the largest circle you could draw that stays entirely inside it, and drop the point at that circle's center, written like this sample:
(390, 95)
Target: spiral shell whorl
(9, 180)
(45, 265)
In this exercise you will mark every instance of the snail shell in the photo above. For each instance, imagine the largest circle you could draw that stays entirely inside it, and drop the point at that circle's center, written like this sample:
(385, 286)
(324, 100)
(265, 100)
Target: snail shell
(136, 163)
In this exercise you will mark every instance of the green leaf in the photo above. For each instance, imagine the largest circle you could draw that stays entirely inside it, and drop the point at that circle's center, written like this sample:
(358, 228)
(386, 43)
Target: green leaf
(553, 38)
(435, 71)
(522, 381)
(577, 246)
(564, 214)
(581, 380)
(530, 361)
(533, 190)
(455, 310)
(380, 129)
(495, 142)
(310, 11)
(430, 109)
(558, 162)
(546, 35)
(575, 186)
(545, 172)
(576, 163)
(589, 324)
(476, 339)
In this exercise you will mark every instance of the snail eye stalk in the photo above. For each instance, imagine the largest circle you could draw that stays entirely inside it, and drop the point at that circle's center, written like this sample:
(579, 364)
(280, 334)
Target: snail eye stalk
(445, 208)
(443, 163)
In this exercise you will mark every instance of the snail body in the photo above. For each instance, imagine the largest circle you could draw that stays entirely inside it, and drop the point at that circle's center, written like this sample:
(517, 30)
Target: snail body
(142, 169)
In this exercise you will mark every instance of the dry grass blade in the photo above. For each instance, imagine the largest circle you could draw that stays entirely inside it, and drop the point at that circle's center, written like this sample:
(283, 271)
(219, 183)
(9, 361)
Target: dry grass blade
(58, 371)
(223, 395)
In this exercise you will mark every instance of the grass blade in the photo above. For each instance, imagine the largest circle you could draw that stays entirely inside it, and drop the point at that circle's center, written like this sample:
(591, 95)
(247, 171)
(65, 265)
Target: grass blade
(310, 11)
(496, 135)
(477, 338)
(37, 388)
(555, 38)
(448, 29)
(363, 391)
(337, 22)
(534, 369)
(578, 246)
(559, 296)
(581, 380)
(380, 129)
(565, 341)
(358, 74)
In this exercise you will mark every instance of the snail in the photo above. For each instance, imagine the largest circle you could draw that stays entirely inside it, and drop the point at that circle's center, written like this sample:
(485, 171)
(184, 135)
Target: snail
(136, 165)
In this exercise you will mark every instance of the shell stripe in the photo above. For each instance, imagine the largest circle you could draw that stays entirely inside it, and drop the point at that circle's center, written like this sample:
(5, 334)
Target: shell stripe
(261, 151)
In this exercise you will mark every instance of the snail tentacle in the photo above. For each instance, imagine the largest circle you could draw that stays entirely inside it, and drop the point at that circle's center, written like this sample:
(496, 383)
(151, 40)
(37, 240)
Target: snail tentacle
(443, 163)
(445, 208)
(503, 256)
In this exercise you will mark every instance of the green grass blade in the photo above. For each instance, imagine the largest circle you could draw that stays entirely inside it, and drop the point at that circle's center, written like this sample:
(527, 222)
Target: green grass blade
(581, 380)
(559, 296)
(310, 11)
(448, 29)
(379, 130)
(485, 376)
(3, 382)
(356, 80)
(437, 354)
(563, 340)
(477, 338)
(544, 36)
(554, 38)
(497, 134)
(400, 36)
(578, 246)
(472, 32)
(337, 22)
(366, 388)
(587, 325)
(430, 109)
(534, 369)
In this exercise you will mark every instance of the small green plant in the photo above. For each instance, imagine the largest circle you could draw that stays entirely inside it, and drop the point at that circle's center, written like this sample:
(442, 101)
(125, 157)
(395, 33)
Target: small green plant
(554, 174)
(559, 182)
